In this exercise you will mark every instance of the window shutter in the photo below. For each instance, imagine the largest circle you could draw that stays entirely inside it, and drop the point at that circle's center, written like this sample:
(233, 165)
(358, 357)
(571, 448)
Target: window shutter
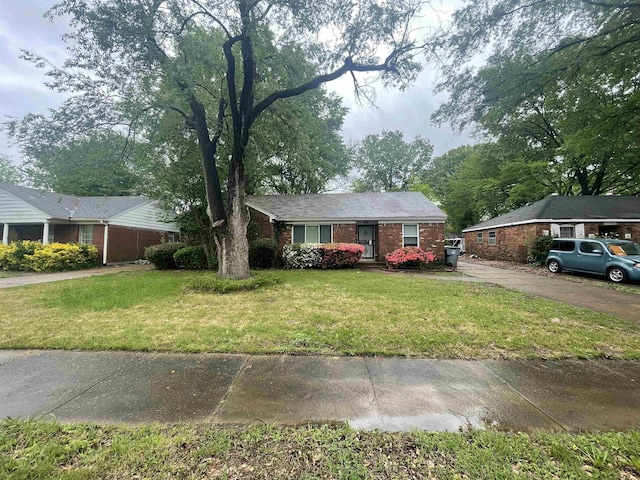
(555, 230)
(579, 230)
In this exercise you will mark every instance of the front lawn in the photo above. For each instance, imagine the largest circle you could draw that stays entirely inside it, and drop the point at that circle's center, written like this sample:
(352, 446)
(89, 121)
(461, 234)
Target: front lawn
(35, 449)
(320, 312)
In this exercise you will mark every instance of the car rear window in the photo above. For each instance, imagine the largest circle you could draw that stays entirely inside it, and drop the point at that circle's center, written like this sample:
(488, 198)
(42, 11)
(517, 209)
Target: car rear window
(563, 245)
(626, 248)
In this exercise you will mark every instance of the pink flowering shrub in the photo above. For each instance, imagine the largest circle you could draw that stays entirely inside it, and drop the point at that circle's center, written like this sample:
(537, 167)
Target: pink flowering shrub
(341, 255)
(409, 257)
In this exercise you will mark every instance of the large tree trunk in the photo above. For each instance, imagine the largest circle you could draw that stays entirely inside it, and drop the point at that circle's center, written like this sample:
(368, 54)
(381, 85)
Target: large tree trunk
(233, 245)
(232, 242)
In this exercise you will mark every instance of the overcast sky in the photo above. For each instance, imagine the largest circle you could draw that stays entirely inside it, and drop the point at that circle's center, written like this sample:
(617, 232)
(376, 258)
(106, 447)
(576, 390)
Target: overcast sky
(22, 88)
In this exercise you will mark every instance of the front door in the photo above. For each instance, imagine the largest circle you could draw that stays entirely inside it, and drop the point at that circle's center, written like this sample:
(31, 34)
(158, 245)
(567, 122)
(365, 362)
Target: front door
(366, 238)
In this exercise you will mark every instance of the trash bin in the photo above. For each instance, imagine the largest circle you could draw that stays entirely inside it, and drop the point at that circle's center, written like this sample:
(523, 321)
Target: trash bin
(451, 256)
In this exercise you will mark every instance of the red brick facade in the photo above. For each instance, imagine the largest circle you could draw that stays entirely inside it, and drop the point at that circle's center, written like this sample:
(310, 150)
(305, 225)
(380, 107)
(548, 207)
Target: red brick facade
(388, 236)
(512, 242)
(127, 244)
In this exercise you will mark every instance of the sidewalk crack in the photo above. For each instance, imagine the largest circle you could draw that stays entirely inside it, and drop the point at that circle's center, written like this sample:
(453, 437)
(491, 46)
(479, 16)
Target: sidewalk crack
(521, 395)
(375, 394)
(91, 386)
(229, 389)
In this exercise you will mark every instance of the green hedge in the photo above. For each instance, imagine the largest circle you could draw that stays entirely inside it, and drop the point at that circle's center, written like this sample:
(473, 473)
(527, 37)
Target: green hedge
(161, 255)
(191, 258)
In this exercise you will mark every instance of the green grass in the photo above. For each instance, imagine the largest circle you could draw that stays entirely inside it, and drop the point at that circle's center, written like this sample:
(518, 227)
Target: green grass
(309, 312)
(35, 449)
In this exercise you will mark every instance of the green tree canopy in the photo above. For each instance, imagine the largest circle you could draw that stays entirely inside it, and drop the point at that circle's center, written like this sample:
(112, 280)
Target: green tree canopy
(387, 163)
(106, 163)
(9, 173)
(560, 91)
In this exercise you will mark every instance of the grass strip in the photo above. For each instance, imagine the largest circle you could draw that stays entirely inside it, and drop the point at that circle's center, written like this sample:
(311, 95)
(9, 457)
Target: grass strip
(36, 449)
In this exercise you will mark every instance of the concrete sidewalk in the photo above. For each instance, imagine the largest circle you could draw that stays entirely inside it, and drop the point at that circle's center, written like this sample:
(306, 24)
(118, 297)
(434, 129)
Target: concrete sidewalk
(621, 304)
(383, 393)
(22, 279)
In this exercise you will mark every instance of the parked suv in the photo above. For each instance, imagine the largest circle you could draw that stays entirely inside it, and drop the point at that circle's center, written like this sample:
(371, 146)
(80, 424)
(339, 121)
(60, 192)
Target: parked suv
(618, 260)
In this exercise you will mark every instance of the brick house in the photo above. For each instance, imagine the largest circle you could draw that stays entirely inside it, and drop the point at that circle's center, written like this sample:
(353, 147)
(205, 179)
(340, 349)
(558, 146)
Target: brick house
(506, 237)
(381, 222)
(120, 227)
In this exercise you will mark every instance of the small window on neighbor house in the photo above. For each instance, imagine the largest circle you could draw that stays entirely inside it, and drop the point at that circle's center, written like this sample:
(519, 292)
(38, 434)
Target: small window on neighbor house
(86, 234)
(311, 234)
(171, 237)
(480, 237)
(491, 238)
(51, 234)
(566, 231)
(410, 235)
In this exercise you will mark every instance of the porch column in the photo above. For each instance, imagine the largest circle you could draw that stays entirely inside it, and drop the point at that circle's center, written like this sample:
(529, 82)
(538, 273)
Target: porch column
(105, 244)
(45, 233)
(5, 233)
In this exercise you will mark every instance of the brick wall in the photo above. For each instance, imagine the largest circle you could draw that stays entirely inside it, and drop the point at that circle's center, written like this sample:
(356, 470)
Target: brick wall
(98, 240)
(265, 227)
(344, 233)
(431, 238)
(512, 242)
(65, 233)
(127, 244)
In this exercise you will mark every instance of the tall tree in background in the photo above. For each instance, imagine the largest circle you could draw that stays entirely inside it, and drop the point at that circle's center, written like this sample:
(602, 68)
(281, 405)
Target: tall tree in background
(104, 164)
(387, 163)
(560, 92)
(123, 51)
(9, 173)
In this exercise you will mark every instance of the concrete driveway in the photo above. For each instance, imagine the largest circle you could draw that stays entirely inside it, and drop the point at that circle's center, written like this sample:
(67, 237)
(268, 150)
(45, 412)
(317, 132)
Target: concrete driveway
(621, 304)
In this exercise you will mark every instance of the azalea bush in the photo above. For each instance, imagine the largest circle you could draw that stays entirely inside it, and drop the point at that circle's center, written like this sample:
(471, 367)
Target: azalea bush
(54, 257)
(409, 257)
(191, 258)
(341, 255)
(326, 256)
(302, 256)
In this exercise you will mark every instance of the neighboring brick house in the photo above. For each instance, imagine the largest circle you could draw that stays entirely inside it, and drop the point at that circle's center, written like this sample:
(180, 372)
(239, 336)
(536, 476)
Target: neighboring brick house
(506, 237)
(120, 227)
(382, 222)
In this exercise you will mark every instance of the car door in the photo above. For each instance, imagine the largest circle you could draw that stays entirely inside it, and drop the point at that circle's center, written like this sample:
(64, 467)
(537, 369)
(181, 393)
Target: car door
(566, 253)
(590, 258)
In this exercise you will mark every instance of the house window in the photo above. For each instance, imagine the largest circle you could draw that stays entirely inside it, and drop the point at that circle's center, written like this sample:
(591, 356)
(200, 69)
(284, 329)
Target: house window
(491, 239)
(171, 237)
(86, 234)
(566, 231)
(312, 234)
(410, 235)
(51, 234)
(480, 237)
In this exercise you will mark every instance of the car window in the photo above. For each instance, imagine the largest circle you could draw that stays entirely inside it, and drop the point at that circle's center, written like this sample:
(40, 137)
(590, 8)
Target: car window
(566, 246)
(590, 247)
(626, 248)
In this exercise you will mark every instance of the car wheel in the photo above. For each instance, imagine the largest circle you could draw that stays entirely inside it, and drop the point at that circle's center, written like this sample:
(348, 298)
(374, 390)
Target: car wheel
(554, 266)
(616, 275)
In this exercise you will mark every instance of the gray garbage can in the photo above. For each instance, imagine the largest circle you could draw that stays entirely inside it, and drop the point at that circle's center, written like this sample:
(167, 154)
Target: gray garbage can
(451, 256)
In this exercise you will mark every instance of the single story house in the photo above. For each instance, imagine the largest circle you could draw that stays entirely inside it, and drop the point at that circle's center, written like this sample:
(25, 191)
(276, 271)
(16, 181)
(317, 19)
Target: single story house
(120, 227)
(507, 236)
(381, 222)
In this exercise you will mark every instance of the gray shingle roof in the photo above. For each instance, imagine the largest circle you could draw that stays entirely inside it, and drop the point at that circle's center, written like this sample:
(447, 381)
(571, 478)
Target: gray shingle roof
(62, 206)
(349, 206)
(557, 207)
